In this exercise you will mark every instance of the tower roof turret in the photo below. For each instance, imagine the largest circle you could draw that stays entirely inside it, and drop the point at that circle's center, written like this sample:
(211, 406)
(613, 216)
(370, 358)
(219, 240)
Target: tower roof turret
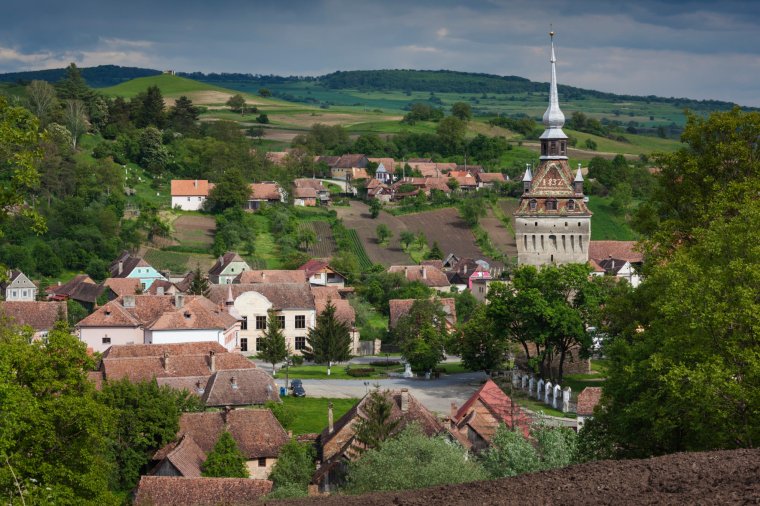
(578, 175)
(554, 119)
(528, 177)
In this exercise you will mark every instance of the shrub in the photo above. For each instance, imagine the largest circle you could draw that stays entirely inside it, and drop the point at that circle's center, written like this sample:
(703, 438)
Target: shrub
(385, 363)
(360, 372)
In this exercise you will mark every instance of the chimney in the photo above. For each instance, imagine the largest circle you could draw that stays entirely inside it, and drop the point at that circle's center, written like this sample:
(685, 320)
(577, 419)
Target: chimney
(233, 383)
(179, 300)
(59, 283)
(230, 299)
(121, 267)
(199, 388)
(212, 360)
(221, 259)
(128, 301)
(166, 361)
(424, 272)
(454, 409)
(195, 183)
(330, 427)
(159, 290)
(225, 414)
(404, 400)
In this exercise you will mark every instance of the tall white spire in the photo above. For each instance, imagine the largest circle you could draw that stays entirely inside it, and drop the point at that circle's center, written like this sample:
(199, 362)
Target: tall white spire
(553, 117)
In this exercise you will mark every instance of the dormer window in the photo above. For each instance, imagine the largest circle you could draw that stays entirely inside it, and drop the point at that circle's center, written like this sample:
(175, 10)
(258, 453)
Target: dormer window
(551, 205)
(532, 204)
(570, 205)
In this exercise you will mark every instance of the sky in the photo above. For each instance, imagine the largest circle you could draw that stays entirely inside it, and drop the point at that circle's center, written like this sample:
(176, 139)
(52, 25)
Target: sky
(694, 49)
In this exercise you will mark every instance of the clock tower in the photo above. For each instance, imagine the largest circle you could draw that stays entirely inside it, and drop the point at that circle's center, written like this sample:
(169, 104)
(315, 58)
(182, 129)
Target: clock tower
(552, 222)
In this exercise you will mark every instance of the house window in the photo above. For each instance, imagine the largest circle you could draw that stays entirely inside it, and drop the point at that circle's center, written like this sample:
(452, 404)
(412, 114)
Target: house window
(106, 340)
(262, 462)
(300, 321)
(533, 204)
(261, 323)
(243, 344)
(300, 342)
(281, 321)
(188, 199)
(24, 293)
(244, 323)
(14, 293)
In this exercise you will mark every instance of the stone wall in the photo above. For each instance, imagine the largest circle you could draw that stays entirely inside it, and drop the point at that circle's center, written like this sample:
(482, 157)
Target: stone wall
(550, 240)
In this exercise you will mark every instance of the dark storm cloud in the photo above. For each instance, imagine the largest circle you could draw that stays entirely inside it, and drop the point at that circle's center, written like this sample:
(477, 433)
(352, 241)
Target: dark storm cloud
(698, 49)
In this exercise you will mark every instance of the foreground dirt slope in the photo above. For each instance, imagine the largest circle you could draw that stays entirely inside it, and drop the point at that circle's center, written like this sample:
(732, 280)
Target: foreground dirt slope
(723, 477)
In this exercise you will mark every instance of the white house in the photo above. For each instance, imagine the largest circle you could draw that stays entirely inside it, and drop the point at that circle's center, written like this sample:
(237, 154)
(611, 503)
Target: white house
(157, 319)
(190, 194)
(18, 287)
(319, 273)
(227, 268)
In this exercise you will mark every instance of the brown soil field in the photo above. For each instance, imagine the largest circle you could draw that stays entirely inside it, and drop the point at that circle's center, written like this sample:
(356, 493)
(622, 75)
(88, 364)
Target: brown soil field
(329, 118)
(357, 216)
(325, 246)
(445, 227)
(708, 478)
(500, 236)
(211, 97)
(196, 231)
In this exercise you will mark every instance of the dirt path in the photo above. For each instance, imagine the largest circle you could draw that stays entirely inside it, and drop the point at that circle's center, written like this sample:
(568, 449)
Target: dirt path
(357, 216)
(499, 235)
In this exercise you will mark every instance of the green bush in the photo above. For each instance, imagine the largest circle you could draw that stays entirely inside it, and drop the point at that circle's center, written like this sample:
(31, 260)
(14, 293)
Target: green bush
(385, 363)
(360, 372)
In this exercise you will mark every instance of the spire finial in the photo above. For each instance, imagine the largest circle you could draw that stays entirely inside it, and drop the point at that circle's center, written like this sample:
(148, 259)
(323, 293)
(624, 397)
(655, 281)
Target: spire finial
(553, 117)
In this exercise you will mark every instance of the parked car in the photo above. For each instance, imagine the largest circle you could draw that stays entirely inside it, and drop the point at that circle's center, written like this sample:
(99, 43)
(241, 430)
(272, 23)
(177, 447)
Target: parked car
(296, 386)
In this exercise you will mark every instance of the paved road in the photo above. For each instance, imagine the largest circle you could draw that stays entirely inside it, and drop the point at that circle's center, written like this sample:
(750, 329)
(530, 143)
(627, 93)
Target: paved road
(436, 394)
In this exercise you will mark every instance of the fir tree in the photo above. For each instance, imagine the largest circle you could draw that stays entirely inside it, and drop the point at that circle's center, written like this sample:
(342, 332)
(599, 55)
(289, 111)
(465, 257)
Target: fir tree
(330, 340)
(271, 345)
(199, 285)
(435, 253)
(225, 460)
(376, 426)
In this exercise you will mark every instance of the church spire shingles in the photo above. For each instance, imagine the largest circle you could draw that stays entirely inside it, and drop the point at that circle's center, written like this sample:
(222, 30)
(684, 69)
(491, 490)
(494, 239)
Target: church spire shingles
(553, 140)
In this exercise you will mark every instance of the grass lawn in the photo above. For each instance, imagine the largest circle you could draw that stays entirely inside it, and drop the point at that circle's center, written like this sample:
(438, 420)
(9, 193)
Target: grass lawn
(310, 413)
(522, 399)
(337, 372)
(606, 223)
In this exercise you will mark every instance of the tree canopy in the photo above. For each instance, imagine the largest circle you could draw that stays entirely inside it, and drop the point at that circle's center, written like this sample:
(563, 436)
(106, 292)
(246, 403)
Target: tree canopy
(271, 346)
(225, 460)
(329, 340)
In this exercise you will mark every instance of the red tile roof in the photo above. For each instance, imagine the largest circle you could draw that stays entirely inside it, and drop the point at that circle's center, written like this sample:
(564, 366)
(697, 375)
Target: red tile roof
(223, 261)
(343, 310)
(304, 193)
(601, 250)
(314, 266)
(81, 288)
(309, 183)
(123, 286)
(588, 399)
(281, 295)
(490, 177)
(426, 274)
(265, 191)
(173, 491)
(41, 316)
(351, 160)
(272, 276)
(187, 457)
(240, 387)
(500, 406)
(190, 187)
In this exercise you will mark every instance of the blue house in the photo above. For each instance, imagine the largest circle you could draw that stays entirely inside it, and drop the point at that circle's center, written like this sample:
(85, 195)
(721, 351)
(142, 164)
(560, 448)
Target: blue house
(130, 266)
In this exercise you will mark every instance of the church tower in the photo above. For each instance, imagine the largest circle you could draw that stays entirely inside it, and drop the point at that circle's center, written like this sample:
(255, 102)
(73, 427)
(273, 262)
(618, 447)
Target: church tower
(552, 223)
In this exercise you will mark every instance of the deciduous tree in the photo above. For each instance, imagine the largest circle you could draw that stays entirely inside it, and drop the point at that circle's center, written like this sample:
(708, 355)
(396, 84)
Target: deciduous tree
(225, 460)
(42, 99)
(237, 103)
(75, 117)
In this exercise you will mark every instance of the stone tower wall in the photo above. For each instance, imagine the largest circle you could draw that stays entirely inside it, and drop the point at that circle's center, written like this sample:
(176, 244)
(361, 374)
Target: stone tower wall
(550, 240)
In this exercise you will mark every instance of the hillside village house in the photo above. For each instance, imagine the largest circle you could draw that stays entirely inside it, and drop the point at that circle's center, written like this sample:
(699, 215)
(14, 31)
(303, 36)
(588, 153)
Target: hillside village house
(616, 258)
(187, 366)
(40, 316)
(304, 197)
(346, 167)
(336, 444)
(475, 423)
(488, 179)
(82, 289)
(227, 267)
(322, 193)
(480, 288)
(295, 306)
(587, 401)
(190, 194)
(292, 302)
(320, 273)
(258, 435)
(466, 271)
(156, 319)
(130, 266)
(426, 274)
(18, 287)
(267, 192)
(376, 189)
(271, 276)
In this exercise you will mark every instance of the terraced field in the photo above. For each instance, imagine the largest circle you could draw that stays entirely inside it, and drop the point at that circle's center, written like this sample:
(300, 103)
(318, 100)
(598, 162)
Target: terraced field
(357, 217)
(325, 246)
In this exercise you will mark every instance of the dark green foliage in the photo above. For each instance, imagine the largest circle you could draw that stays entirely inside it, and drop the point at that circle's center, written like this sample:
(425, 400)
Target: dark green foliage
(479, 343)
(461, 110)
(360, 372)
(271, 345)
(376, 426)
(183, 115)
(420, 111)
(374, 208)
(262, 118)
(435, 253)
(54, 434)
(294, 468)
(330, 339)
(75, 311)
(412, 460)
(421, 334)
(73, 86)
(237, 103)
(322, 139)
(199, 285)
(148, 108)
(472, 209)
(231, 191)
(147, 418)
(225, 460)
(282, 411)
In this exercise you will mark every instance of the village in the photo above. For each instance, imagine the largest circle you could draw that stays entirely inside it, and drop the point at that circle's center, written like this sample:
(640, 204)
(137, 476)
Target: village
(199, 332)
